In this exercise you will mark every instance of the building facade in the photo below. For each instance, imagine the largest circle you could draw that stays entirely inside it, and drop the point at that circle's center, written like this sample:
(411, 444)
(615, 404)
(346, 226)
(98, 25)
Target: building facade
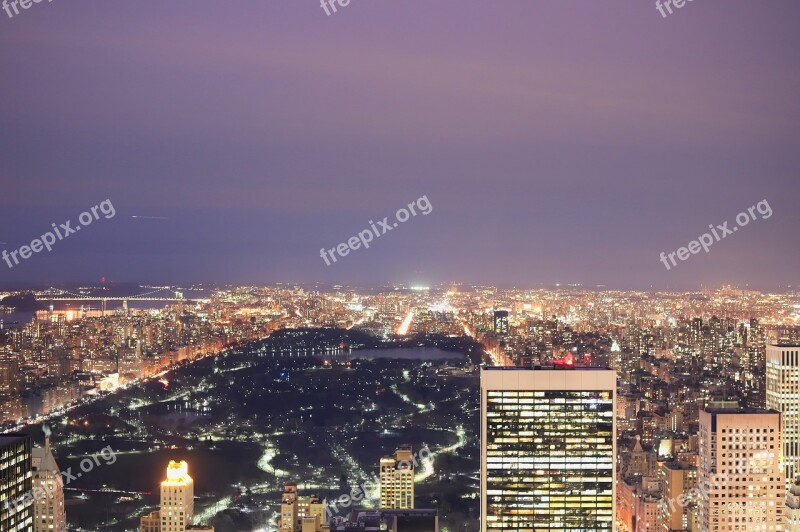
(500, 322)
(783, 395)
(678, 480)
(16, 483)
(397, 480)
(177, 498)
(150, 522)
(301, 514)
(740, 470)
(49, 514)
(548, 449)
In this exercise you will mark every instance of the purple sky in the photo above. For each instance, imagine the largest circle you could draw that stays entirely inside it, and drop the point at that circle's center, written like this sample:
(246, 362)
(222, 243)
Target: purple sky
(558, 141)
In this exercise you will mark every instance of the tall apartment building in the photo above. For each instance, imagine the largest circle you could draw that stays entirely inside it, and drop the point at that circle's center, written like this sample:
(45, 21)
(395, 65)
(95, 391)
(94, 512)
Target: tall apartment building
(9, 373)
(397, 480)
(783, 395)
(177, 498)
(16, 510)
(548, 448)
(677, 479)
(49, 514)
(740, 470)
(301, 514)
(150, 522)
(500, 322)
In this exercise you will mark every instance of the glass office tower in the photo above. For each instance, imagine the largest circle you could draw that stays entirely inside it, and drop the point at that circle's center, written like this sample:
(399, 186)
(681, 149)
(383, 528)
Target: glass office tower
(16, 501)
(548, 448)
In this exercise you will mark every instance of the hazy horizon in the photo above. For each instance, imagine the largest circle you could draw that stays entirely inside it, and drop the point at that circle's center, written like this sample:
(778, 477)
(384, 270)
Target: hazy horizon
(557, 142)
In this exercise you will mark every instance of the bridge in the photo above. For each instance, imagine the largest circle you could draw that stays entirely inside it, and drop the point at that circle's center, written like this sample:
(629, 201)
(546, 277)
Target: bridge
(167, 294)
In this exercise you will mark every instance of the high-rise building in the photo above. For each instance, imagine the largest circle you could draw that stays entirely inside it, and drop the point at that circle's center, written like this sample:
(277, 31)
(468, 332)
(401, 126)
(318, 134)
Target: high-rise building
(740, 472)
(548, 448)
(500, 322)
(301, 514)
(783, 395)
(678, 479)
(48, 507)
(16, 502)
(177, 498)
(397, 479)
(9, 373)
(150, 522)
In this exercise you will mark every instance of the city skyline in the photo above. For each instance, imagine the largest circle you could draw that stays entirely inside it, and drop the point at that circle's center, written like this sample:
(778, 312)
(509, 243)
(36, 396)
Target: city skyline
(399, 266)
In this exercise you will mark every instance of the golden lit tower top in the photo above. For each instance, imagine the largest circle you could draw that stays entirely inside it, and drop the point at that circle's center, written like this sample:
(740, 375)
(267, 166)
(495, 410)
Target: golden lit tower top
(177, 473)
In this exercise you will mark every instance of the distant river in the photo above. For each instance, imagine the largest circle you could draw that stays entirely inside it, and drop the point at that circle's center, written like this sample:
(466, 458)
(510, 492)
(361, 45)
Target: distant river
(413, 353)
(16, 319)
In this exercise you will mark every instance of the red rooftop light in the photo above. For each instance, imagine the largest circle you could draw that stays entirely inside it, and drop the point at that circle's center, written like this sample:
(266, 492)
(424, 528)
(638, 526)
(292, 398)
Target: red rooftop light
(568, 360)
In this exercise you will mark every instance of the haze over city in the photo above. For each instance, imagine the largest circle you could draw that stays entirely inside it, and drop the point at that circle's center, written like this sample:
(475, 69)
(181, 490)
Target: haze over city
(560, 142)
(399, 266)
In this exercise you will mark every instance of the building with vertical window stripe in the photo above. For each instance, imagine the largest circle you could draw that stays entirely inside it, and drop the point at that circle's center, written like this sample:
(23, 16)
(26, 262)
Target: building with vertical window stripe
(397, 479)
(16, 483)
(783, 395)
(548, 449)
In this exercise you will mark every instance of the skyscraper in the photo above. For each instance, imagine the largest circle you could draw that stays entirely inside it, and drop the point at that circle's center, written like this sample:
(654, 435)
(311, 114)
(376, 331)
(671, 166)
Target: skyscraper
(48, 510)
(783, 395)
(397, 479)
(301, 514)
(677, 479)
(500, 323)
(16, 501)
(548, 448)
(177, 498)
(9, 373)
(740, 470)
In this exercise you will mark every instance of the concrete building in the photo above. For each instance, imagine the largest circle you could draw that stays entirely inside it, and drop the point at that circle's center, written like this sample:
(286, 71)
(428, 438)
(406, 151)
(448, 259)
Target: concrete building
(9, 373)
(16, 483)
(783, 395)
(500, 322)
(397, 479)
(740, 470)
(48, 508)
(638, 504)
(301, 514)
(548, 448)
(150, 522)
(177, 498)
(678, 480)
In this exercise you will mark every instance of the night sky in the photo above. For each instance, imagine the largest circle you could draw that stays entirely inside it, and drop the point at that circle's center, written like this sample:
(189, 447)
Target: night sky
(558, 141)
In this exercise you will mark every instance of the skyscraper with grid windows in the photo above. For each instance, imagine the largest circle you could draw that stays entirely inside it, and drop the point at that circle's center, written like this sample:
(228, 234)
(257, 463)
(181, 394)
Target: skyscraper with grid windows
(548, 449)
